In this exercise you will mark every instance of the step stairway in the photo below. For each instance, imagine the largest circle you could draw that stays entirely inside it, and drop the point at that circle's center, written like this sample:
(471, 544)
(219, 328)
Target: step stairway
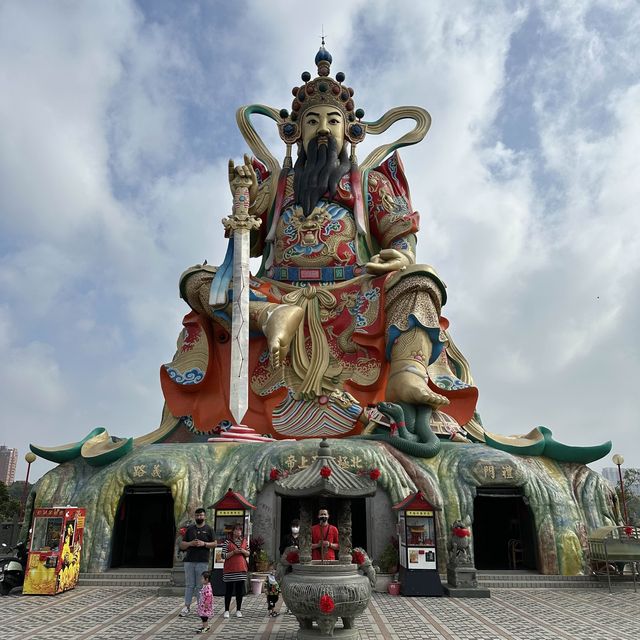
(171, 581)
(152, 578)
(534, 580)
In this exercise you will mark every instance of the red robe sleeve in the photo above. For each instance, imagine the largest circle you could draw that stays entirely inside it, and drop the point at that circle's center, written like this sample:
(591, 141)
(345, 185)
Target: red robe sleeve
(391, 216)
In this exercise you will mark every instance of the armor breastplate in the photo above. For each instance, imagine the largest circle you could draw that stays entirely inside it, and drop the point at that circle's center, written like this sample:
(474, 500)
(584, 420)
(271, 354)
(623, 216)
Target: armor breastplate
(318, 247)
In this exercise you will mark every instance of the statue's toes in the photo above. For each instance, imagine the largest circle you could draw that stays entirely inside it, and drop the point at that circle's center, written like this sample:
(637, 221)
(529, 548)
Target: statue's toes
(432, 398)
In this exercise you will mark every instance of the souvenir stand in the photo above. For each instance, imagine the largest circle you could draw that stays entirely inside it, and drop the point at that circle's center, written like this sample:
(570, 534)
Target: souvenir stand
(417, 547)
(232, 508)
(53, 564)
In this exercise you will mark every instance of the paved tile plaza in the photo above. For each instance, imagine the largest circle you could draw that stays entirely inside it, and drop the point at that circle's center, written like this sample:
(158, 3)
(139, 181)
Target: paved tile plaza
(110, 613)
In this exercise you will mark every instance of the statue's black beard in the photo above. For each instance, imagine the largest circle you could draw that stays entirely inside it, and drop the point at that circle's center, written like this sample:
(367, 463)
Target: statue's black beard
(317, 171)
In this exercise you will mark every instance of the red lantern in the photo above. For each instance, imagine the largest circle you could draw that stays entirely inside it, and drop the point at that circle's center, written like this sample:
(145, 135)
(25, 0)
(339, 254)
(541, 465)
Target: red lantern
(374, 474)
(326, 603)
(325, 471)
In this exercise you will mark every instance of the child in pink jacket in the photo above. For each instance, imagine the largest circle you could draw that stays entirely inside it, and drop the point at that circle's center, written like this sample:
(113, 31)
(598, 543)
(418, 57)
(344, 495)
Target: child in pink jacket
(205, 602)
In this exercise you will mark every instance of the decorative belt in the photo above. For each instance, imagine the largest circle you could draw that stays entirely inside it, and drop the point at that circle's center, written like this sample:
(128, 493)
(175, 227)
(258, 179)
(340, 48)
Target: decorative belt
(320, 274)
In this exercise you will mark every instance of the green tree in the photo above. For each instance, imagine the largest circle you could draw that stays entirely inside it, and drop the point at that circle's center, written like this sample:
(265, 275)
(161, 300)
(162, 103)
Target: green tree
(9, 507)
(631, 478)
(16, 489)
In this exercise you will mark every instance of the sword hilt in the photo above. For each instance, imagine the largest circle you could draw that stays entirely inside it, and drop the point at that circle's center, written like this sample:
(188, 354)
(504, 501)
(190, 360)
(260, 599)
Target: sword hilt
(240, 218)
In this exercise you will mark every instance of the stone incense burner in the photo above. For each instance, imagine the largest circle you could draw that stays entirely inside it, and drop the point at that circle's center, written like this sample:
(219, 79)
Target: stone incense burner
(318, 592)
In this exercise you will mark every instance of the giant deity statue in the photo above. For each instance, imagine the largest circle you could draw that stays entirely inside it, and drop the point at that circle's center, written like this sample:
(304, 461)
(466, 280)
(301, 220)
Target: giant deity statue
(343, 330)
(340, 315)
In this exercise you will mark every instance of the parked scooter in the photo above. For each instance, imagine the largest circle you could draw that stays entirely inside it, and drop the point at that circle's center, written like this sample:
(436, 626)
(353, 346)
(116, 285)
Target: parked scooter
(12, 566)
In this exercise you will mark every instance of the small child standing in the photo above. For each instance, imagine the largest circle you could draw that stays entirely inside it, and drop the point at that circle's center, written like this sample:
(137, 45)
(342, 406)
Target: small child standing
(272, 589)
(205, 602)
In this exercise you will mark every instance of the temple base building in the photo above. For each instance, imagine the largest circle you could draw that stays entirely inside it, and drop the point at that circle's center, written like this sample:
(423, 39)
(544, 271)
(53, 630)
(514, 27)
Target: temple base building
(136, 505)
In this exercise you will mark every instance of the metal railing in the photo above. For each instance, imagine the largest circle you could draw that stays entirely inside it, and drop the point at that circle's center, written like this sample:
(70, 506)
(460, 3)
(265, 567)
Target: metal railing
(616, 545)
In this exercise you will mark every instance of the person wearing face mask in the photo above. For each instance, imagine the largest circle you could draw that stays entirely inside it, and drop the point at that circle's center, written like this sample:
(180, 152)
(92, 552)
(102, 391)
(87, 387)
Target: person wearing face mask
(235, 552)
(324, 538)
(197, 541)
(291, 539)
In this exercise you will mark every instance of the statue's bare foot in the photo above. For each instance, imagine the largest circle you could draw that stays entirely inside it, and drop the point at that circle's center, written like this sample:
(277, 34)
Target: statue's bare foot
(410, 385)
(279, 328)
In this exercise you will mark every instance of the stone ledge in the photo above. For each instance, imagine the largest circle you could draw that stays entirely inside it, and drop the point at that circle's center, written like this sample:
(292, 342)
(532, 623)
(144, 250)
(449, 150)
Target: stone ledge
(461, 592)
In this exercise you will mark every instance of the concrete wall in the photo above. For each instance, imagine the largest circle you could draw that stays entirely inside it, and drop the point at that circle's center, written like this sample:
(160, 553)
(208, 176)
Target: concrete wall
(266, 521)
(381, 523)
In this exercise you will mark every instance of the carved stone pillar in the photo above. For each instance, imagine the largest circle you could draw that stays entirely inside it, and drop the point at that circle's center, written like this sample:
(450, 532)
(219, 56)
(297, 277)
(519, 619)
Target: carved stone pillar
(305, 531)
(344, 531)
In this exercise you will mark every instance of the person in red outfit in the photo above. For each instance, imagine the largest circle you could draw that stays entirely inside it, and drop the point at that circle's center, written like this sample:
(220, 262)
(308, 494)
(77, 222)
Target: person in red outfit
(324, 538)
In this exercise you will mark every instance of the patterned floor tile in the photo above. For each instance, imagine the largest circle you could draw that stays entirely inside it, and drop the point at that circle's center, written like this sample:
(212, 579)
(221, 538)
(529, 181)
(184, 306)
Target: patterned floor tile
(114, 613)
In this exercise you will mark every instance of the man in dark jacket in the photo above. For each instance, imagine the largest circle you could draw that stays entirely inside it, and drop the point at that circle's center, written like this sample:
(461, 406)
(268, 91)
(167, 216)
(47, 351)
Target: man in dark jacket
(197, 541)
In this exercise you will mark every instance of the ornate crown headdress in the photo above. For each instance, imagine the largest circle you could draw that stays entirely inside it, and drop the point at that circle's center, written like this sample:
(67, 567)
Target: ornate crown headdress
(322, 90)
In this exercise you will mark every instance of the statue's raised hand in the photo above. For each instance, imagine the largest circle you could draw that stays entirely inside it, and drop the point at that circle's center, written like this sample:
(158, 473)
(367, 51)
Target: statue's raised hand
(243, 175)
(386, 261)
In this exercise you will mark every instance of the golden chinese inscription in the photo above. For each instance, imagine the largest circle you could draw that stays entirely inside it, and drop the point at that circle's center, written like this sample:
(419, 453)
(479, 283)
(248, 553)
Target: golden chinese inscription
(507, 472)
(139, 470)
(489, 471)
(499, 472)
(294, 463)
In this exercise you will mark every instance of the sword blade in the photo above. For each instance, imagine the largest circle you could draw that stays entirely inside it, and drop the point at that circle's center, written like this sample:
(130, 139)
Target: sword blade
(239, 379)
(239, 375)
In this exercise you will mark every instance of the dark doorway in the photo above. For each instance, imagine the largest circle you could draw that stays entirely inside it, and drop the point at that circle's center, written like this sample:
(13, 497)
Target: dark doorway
(290, 509)
(144, 530)
(503, 533)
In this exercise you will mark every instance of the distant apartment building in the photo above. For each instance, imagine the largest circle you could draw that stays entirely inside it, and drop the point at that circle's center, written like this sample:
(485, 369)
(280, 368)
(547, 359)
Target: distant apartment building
(8, 461)
(611, 474)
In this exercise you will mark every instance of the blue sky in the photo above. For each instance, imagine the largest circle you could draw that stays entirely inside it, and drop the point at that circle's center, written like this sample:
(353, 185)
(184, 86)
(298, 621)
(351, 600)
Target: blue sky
(118, 120)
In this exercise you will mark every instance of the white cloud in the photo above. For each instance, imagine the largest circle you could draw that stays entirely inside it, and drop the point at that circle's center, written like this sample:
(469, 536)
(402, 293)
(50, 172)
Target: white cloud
(117, 127)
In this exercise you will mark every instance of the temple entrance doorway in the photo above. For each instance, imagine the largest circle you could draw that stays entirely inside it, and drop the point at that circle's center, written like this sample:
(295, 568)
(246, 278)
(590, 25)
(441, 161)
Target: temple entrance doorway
(504, 536)
(144, 530)
(290, 509)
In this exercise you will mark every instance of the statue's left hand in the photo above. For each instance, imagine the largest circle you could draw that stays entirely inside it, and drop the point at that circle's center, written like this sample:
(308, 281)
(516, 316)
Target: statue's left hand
(386, 261)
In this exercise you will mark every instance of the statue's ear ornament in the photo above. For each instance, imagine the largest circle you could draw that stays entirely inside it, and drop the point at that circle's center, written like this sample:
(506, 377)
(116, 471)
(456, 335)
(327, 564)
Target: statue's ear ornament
(355, 132)
(289, 131)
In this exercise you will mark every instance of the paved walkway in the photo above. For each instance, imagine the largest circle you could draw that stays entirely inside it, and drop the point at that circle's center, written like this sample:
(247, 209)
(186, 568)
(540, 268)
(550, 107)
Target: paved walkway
(110, 613)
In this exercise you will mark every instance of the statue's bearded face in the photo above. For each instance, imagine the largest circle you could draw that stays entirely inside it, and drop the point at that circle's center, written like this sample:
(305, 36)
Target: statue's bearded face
(321, 122)
(322, 156)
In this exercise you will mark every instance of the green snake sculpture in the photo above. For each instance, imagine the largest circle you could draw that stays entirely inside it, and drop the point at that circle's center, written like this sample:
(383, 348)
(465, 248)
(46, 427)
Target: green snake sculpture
(414, 435)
